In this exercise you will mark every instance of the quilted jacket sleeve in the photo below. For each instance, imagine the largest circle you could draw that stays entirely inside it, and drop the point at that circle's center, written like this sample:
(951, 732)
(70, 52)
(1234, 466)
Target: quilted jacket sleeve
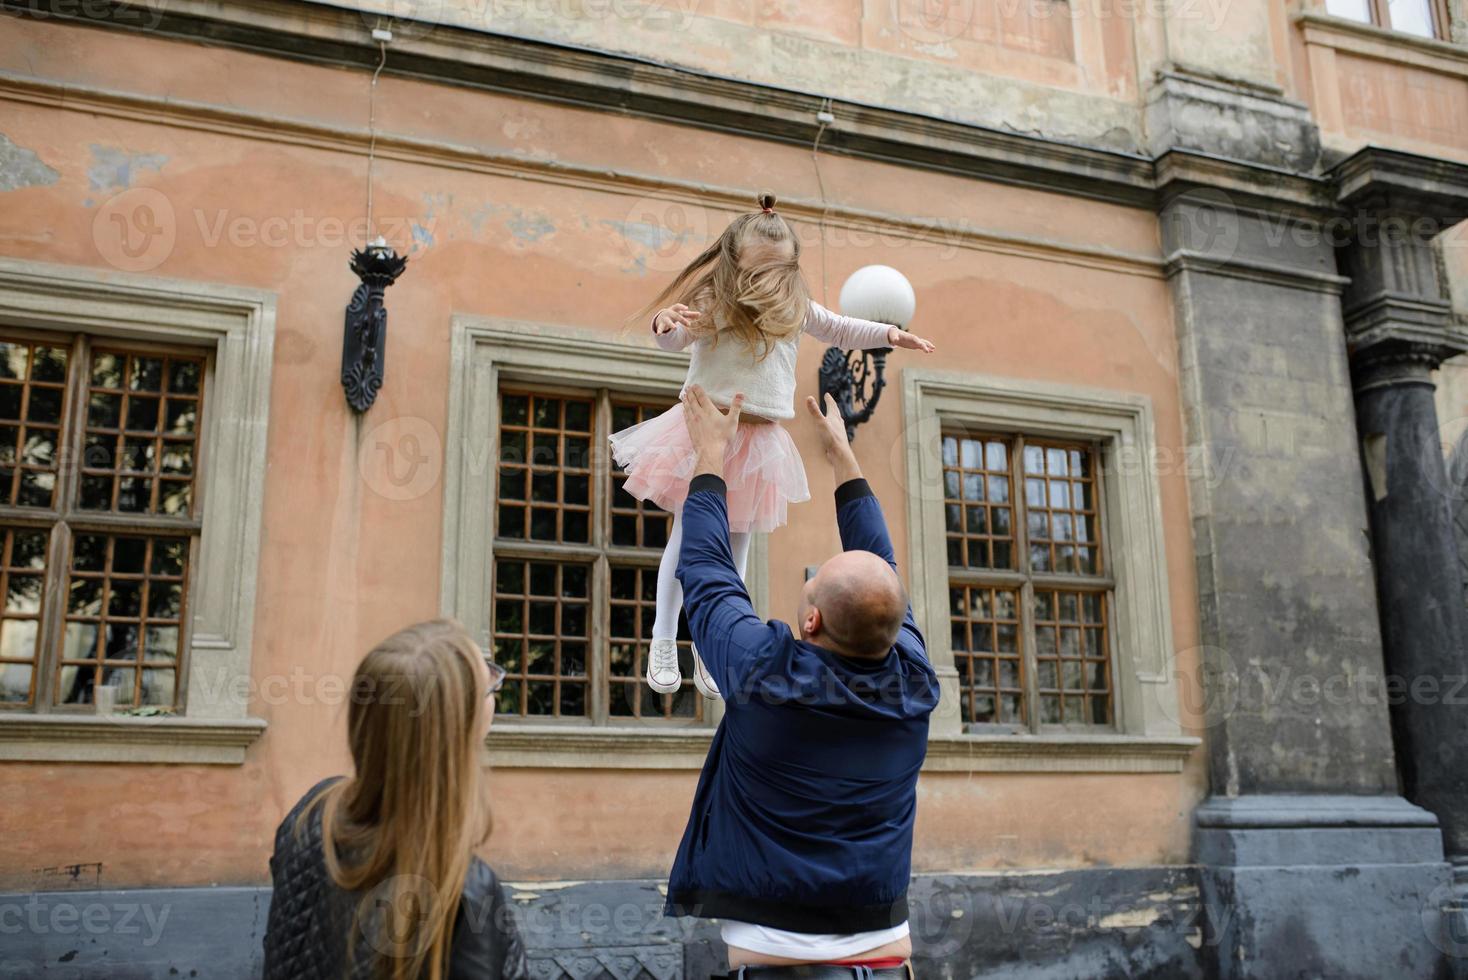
(487, 941)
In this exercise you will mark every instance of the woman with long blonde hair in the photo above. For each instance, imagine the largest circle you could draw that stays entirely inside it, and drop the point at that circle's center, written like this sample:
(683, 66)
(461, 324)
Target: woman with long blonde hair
(742, 305)
(374, 876)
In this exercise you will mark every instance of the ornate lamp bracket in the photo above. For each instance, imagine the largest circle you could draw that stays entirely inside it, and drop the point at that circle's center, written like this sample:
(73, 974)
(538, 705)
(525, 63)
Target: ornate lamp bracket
(855, 379)
(363, 352)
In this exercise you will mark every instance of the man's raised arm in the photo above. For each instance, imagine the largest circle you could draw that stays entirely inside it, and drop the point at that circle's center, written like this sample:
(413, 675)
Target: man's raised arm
(858, 514)
(720, 615)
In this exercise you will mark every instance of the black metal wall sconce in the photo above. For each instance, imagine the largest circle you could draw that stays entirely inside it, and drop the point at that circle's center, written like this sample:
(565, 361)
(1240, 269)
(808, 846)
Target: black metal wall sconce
(363, 352)
(855, 379)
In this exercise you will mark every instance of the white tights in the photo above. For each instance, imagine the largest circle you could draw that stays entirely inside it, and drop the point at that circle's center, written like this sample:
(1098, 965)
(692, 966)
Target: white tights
(670, 590)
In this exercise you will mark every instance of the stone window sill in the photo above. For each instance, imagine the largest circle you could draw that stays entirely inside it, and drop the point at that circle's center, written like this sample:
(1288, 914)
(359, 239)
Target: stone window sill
(123, 738)
(1058, 753)
(522, 746)
(585, 747)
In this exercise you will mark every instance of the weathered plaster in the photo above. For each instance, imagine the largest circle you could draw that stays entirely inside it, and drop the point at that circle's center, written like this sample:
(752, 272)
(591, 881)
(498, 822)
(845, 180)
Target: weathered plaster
(115, 169)
(22, 167)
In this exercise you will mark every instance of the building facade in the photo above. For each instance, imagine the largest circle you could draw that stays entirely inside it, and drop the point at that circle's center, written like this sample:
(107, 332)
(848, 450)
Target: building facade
(1175, 501)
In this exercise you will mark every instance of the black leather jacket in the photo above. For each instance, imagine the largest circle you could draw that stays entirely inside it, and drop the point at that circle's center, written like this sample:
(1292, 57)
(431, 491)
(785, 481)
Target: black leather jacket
(310, 917)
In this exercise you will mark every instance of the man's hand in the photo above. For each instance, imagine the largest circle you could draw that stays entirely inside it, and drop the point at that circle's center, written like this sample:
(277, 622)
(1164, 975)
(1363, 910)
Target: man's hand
(898, 337)
(677, 315)
(832, 431)
(709, 429)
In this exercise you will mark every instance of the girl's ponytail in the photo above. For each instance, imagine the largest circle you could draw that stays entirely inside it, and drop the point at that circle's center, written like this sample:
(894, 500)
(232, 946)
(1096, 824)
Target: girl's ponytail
(767, 202)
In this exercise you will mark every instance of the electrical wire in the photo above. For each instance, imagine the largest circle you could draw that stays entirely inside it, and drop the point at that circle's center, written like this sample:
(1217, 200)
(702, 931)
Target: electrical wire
(815, 159)
(372, 132)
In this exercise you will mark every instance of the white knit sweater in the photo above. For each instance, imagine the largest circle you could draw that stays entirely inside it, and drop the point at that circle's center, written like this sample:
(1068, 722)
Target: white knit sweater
(727, 368)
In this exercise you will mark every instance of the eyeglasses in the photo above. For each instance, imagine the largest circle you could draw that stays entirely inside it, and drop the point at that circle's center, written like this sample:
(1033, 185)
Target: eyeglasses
(496, 678)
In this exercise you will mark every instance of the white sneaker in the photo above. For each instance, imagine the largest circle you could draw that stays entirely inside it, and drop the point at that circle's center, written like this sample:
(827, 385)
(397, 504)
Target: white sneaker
(702, 679)
(663, 674)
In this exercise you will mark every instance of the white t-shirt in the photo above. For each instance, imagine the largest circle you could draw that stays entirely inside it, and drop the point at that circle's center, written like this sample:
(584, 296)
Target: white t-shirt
(817, 947)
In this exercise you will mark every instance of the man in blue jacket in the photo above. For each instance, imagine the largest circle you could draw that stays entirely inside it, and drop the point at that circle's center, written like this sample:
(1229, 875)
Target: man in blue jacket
(800, 837)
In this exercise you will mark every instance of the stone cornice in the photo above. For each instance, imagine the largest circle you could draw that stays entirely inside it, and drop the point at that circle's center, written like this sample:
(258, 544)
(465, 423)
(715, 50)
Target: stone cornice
(598, 79)
(1425, 187)
(1279, 274)
(1310, 810)
(243, 123)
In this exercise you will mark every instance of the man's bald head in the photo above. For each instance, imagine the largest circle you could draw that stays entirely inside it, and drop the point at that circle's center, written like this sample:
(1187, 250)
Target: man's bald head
(854, 605)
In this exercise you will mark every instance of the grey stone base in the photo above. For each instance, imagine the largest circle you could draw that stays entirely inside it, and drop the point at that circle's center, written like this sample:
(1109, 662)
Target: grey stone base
(1155, 923)
(1351, 888)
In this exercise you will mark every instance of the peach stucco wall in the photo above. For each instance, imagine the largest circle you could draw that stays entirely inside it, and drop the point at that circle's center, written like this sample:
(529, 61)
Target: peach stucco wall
(1011, 282)
(1367, 86)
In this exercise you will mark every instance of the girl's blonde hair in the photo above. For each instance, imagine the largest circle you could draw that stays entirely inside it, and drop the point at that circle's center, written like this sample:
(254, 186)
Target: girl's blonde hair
(400, 834)
(760, 303)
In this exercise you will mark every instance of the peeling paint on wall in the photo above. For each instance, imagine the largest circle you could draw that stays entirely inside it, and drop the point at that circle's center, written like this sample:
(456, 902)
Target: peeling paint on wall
(646, 234)
(113, 168)
(20, 167)
(527, 227)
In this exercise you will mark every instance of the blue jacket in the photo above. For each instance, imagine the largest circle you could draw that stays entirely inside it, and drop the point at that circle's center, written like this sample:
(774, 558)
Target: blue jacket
(803, 815)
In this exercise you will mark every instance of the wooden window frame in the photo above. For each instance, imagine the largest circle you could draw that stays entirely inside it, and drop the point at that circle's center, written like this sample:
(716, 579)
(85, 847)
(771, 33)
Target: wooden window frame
(234, 328)
(1023, 580)
(1148, 735)
(1442, 21)
(600, 553)
(487, 353)
(65, 519)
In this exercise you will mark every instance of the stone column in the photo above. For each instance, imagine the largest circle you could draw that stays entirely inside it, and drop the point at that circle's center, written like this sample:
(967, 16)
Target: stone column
(1311, 863)
(1399, 327)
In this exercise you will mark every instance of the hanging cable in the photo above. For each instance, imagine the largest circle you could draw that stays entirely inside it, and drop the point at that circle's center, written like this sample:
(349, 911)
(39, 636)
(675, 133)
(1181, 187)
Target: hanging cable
(825, 117)
(377, 32)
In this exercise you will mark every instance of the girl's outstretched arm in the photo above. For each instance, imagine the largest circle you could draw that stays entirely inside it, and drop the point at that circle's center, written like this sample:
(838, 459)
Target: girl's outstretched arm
(670, 326)
(853, 333)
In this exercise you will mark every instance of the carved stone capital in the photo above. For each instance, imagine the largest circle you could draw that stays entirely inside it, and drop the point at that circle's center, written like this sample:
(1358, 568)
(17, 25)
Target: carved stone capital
(1396, 362)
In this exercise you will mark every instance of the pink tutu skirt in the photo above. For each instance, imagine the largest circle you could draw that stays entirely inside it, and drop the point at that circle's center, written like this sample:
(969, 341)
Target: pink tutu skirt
(762, 468)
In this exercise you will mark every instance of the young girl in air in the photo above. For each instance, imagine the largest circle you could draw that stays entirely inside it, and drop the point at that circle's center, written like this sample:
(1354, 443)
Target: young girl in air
(743, 306)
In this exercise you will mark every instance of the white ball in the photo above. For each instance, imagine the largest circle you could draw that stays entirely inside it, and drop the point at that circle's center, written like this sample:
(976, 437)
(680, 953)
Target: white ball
(879, 292)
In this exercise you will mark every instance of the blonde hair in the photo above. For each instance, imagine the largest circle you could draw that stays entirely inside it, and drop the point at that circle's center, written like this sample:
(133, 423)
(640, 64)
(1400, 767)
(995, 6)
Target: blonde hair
(403, 829)
(758, 304)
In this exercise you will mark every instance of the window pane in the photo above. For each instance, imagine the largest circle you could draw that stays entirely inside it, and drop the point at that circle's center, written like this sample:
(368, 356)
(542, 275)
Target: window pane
(544, 469)
(22, 583)
(1358, 10)
(1071, 656)
(635, 523)
(985, 628)
(630, 634)
(541, 618)
(125, 597)
(127, 422)
(1061, 517)
(32, 401)
(976, 482)
(1411, 16)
